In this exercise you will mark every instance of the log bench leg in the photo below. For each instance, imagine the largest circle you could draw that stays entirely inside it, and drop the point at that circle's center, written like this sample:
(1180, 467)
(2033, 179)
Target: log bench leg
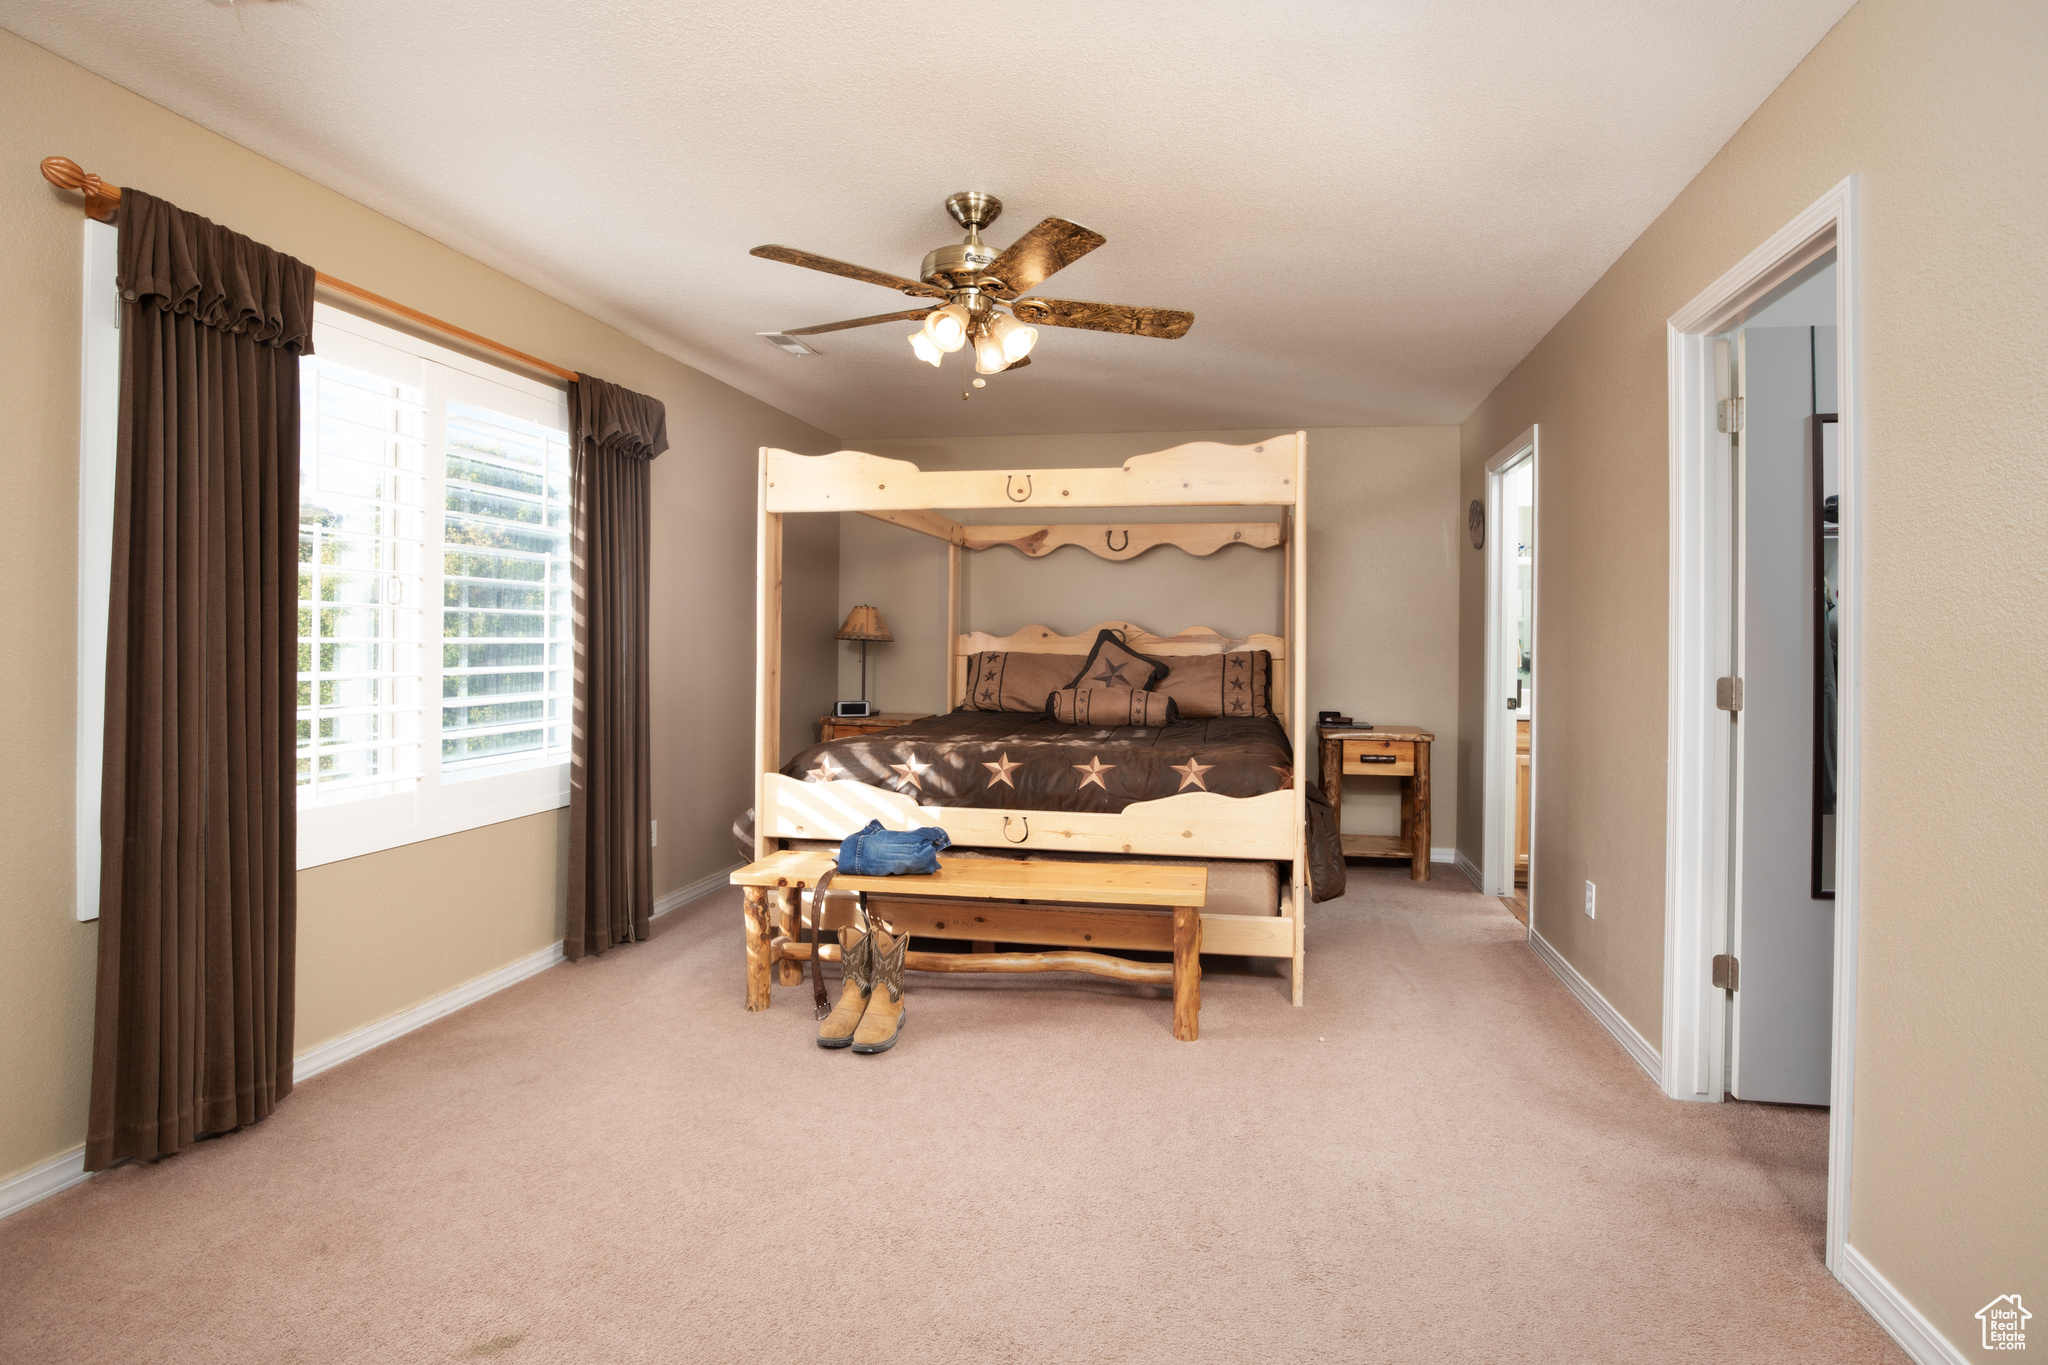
(758, 967)
(789, 905)
(1187, 972)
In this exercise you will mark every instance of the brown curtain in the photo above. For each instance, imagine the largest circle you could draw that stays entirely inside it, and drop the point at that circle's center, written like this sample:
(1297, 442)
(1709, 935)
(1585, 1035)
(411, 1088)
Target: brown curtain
(193, 1030)
(615, 434)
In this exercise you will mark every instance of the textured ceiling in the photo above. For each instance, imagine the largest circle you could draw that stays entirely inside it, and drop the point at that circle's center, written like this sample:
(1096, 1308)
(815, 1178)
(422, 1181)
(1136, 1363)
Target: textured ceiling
(1373, 209)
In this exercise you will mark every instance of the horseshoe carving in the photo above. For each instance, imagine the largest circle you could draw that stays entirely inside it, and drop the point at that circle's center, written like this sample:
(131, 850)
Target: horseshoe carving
(1109, 539)
(1009, 488)
(1025, 820)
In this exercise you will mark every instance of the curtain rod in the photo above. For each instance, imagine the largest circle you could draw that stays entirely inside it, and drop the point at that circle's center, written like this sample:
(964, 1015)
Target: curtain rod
(100, 199)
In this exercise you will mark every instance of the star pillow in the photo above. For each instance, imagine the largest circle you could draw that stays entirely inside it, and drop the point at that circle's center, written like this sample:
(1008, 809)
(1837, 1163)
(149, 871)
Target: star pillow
(1112, 663)
(1232, 686)
(1014, 681)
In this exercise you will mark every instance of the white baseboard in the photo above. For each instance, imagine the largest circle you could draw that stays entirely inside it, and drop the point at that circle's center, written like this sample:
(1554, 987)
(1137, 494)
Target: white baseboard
(703, 886)
(350, 1045)
(1610, 1018)
(38, 1183)
(1443, 855)
(1895, 1313)
(1469, 868)
(333, 1053)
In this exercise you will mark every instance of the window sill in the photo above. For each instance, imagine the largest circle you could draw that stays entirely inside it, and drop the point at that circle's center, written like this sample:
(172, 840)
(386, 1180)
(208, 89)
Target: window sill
(351, 829)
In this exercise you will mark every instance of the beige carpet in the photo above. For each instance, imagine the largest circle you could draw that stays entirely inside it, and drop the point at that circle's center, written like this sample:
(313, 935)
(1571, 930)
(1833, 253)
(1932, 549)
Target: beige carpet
(1442, 1157)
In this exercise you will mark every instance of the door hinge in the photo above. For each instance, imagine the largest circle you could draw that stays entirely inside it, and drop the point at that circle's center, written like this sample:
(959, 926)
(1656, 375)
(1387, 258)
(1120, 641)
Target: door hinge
(1728, 416)
(1727, 972)
(1728, 694)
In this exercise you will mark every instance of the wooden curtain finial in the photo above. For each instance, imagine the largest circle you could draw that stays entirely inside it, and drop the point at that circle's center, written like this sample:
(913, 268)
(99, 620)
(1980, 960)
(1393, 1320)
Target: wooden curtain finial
(100, 197)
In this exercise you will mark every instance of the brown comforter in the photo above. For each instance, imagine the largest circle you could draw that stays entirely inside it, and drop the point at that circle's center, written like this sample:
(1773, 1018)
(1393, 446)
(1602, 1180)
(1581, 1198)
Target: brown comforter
(1016, 761)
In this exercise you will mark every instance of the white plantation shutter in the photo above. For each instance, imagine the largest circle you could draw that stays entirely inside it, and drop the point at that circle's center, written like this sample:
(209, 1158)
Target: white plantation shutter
(434, 626)
(505, 681)
(362, 545)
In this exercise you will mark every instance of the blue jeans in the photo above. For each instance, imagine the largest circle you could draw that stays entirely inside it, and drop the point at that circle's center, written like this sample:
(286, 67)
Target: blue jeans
(878, 852)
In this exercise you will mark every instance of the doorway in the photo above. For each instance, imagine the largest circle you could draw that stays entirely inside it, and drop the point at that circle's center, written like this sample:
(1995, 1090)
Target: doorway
(1776, 963)
(1511, 674)
(1762, 771)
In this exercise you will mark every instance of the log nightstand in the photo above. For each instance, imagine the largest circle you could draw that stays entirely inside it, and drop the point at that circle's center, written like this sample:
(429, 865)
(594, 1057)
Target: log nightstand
(845, 727)
(1383, 751)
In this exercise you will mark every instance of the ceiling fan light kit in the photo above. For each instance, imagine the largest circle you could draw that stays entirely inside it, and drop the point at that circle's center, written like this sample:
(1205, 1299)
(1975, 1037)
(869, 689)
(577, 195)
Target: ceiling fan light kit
(976, 284)
(946, 328)
(1017, 339)
(988, 355)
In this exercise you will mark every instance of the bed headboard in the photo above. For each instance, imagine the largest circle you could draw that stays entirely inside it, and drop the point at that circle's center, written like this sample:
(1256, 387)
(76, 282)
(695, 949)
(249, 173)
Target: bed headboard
(1188, 640)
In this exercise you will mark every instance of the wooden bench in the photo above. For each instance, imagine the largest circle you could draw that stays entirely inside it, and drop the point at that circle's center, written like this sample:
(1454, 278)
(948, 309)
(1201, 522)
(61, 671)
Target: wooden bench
(1157, 907)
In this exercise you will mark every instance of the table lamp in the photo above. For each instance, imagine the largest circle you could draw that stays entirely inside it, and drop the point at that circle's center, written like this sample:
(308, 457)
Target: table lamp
(862, 624)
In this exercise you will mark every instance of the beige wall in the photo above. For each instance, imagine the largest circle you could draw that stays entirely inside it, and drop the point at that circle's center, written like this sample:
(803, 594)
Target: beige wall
(1940, 110)
(1383, 577)
(380, 933)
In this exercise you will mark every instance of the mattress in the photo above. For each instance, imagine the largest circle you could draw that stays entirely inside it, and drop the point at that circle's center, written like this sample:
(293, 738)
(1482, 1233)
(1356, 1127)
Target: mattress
(1016, 761)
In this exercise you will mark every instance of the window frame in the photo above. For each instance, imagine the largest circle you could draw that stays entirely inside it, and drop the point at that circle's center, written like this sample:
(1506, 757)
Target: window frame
(437, 806)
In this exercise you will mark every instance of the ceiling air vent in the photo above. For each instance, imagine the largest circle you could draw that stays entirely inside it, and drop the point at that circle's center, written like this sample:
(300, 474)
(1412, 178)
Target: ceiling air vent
(783, 341)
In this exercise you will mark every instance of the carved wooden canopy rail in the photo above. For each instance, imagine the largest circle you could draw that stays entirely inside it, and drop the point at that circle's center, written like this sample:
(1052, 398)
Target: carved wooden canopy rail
(1199, 474)
(1105, 540)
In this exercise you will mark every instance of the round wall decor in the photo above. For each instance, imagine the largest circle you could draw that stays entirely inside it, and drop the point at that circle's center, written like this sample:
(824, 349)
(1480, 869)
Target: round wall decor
(1475, 522)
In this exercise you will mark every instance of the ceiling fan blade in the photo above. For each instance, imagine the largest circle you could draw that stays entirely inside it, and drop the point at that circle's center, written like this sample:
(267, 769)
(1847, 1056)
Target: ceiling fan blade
(913, 315)
(1053, 245)
(811, 261)
(1105, 317)
(1016, 364)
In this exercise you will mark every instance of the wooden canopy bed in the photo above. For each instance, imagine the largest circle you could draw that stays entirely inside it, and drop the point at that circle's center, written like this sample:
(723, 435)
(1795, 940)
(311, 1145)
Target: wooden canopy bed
(1201, 824)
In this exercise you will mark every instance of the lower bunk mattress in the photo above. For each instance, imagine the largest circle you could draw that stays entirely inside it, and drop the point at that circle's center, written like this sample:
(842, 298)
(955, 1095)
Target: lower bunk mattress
(1014, 761)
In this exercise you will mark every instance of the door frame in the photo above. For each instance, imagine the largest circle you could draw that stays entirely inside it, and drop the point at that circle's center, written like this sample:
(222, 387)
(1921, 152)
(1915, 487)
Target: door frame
(1700, 750)
(1497, 854)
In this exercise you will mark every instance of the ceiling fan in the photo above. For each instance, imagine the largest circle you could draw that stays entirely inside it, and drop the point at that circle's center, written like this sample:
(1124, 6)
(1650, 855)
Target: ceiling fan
(975, 291)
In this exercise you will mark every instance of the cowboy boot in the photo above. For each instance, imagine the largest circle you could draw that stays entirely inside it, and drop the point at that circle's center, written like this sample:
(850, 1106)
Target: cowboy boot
(883, 1019)
(857, 957)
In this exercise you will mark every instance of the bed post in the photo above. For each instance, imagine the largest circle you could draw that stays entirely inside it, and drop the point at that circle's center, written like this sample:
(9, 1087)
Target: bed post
(952, 623)
(767, 656)
(1297, 706)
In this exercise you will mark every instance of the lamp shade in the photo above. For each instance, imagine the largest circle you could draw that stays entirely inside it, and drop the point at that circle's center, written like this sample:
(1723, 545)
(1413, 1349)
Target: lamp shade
(864, 623)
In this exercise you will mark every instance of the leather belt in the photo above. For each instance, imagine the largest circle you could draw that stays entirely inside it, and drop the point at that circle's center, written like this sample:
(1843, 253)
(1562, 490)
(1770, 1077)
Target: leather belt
(822, 1005)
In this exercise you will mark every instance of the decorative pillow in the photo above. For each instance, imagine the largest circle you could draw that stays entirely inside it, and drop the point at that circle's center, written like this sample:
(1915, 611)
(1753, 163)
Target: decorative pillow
(1010, 680)
(1233, 684)
(1111, 706)
(1112, 663)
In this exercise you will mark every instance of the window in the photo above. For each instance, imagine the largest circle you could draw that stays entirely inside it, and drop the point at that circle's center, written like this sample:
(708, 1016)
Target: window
(434, 625)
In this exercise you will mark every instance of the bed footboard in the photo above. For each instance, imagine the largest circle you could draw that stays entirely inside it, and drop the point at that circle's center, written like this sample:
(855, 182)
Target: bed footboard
(1197, 824)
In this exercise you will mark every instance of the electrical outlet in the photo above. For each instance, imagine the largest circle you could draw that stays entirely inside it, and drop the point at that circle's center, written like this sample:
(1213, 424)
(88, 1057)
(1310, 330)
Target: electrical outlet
(654, 836)
(1589, 902)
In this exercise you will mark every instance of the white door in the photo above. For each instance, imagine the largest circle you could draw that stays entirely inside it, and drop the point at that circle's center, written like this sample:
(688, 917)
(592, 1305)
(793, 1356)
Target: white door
(1782, 935)
(1511, 625)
